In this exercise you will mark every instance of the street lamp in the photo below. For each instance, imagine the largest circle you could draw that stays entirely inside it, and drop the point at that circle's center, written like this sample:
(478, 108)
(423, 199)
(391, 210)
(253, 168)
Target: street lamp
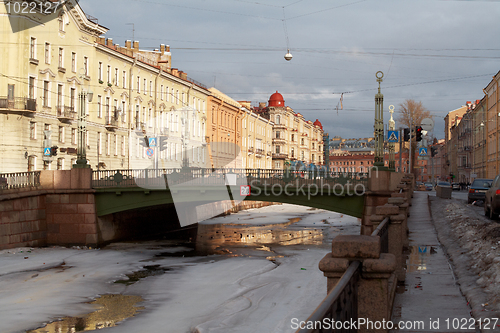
(83, 96)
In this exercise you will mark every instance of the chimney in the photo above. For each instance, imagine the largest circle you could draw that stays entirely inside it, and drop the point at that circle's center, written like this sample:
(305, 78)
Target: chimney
(136, 45)
(128, 44)
(109, 42)
(162, 48)
(168, 48)
(262, 105)
(175, 72)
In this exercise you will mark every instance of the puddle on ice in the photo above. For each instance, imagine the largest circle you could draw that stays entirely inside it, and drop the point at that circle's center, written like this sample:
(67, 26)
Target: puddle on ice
(150, 270)
(112, 309)
(418, 258)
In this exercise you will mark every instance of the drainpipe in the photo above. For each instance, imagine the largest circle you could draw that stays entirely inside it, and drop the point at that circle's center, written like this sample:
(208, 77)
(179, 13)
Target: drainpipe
(130, 111)
(157, 152)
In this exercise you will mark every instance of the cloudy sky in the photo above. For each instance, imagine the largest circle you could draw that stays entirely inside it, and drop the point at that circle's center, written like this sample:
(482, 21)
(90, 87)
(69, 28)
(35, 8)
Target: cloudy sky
(440, 52)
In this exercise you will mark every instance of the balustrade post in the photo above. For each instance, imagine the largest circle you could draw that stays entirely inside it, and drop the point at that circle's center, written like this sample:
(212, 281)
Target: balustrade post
(377, 282)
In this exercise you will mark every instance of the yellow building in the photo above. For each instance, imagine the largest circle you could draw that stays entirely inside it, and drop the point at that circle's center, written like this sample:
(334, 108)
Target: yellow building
(256, 140)
(492, 127)
(136, 95)
(294, 139)
(224, 132)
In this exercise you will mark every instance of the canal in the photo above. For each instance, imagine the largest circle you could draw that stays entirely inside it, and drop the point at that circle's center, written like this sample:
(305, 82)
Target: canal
(253, 271)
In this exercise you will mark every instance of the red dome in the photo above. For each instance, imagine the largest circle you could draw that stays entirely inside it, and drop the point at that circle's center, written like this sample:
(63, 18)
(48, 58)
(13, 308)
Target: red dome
(318, 123)
(276, 99)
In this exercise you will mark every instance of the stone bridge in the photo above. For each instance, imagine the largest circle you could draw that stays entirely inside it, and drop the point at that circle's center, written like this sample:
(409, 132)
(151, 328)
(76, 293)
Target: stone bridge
(85, 207)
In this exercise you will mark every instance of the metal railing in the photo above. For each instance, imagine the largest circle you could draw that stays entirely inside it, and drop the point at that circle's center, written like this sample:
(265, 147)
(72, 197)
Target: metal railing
(383, 231)
(340, 305)
(19, 180)
(157, 178)
(18, 103)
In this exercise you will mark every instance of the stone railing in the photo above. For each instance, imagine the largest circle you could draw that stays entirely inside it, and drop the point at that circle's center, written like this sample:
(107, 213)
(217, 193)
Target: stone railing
(378, 254)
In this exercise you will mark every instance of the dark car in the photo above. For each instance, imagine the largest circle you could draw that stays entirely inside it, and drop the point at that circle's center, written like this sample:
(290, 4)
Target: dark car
(477, 190)
(428, 186)
(444, 184)
(455, 186)
(492, 199)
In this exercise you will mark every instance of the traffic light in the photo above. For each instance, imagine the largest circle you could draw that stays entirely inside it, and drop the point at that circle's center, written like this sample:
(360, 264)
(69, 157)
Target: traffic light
(418, 135)
(144, 141)
(406, 134)
(163, 143)
(433, 151)
(53, 151)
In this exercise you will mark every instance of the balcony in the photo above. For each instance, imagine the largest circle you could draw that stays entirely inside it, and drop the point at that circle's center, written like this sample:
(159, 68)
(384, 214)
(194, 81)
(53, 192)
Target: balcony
(280, 126)
(65, 113)
(278, 156)
(279, 141)
(250, 150)
(22, 104)
(259, 152)
(111, 123)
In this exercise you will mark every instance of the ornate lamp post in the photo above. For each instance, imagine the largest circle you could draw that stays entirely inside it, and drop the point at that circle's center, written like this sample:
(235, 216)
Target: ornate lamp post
(392, 127)
(81, 153)
(379, 124)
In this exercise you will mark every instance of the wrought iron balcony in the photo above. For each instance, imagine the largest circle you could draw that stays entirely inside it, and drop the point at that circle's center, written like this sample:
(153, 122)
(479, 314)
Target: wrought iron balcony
(65, 113)
(18, 104)
(280, 156)
(111, 123)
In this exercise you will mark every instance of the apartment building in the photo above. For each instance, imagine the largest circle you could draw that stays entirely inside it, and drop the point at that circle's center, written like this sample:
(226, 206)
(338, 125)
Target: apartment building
(136, 96)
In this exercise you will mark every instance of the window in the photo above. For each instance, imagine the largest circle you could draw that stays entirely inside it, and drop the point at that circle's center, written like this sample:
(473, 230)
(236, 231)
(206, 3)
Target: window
(73, 62)
(72, 97)
(60, 163)
(108, 115)
(277, 134)
(61, 22)
(151, 88)
(99, 72)
(138, 84)
(46, 165)
(123, 145)
(45, 93)
(99, 106)
(59, 98)
(31, 163)
(124, 79)
(47, 53)
(32, 130)
(124, 112)
(293, 137)
(99, 143)
(73, 136)
(161, 92)
(116, 144)
(108, 76)
(116, 77)
(166, 93)
(61, 134)
(33, 48)
(144, 86)
(61, 57)
(31, 87)
(86, 65)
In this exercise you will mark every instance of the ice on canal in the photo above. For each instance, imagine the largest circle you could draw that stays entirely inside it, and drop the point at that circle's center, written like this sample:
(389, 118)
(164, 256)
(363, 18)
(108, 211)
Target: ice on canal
(252, 271)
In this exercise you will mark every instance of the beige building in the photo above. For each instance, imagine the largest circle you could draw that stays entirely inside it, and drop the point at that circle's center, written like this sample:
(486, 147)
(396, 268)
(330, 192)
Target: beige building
(224, 131)
(492, 127)
(136, 95)
(257, 140)
(293, 138)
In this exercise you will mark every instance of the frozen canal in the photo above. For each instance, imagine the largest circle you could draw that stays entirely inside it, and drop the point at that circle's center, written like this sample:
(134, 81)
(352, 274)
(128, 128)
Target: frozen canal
(250, 272)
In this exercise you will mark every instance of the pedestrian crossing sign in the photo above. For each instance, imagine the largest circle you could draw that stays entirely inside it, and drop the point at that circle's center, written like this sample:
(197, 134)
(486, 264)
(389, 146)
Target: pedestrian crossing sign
(392, 136)
(152, 142)
(46, 151)
(422, 151)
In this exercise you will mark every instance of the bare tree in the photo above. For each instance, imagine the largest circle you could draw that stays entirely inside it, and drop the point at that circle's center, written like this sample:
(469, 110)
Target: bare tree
(413, 110)
(411, 113)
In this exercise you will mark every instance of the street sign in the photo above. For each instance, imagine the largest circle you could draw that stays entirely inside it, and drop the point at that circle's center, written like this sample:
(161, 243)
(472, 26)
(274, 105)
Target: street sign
(46, 151)
(150, 152)
(427, 124)
(152, 142)
(392, 136)
(422, 151)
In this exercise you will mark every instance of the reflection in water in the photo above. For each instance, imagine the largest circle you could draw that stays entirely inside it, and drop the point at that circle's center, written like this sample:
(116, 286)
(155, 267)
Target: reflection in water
(419, 255)
(211, 236)
(112, 310)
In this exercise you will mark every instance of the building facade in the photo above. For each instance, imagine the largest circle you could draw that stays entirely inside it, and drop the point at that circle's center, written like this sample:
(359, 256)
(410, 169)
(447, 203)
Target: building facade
(137, 96)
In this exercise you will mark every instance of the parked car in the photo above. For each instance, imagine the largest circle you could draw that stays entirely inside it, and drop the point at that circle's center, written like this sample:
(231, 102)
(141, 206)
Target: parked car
(429, 186)
(444, 184)
(492, 199)
(477, 190)
(455, 186)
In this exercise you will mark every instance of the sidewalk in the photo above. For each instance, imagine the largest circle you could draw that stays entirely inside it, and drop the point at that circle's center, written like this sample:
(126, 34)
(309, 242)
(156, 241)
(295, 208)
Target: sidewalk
(430, 296)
